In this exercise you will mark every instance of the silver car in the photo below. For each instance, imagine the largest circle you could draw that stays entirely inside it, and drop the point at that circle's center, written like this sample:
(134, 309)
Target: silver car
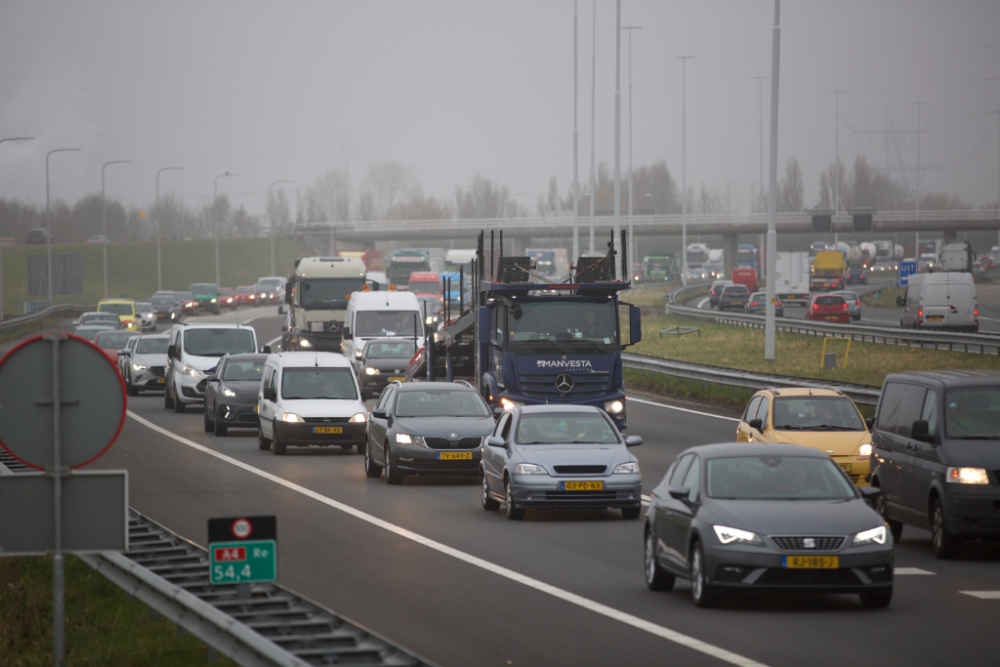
(853, 303)
(144, 310)
(560, 456)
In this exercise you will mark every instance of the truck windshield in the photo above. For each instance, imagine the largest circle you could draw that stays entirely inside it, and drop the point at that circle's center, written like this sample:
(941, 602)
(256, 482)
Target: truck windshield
(387, 323)
(552, 324)
(327, 292)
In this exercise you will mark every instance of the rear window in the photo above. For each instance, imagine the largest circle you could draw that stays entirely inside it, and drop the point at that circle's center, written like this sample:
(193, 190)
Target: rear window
(736, 289)
(830, 300)
(116, 308)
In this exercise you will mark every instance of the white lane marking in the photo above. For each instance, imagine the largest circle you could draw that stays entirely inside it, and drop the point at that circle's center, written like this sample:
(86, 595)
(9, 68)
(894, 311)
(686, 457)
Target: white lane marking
(983, 595)
(273, 340)
(566, 596)
(701, 304)
(910, 570)
(674, 407)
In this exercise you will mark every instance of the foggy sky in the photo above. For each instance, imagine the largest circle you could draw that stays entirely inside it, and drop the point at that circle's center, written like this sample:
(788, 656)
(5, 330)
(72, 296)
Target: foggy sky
(286, 90)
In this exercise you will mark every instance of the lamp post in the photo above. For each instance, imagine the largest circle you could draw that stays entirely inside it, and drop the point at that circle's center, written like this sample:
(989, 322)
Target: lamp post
(215, 214)
(48, 231)
(772, 234)
(576, 149)
(631, 233)
(159, 264)
(593, 106)
(333, 188)
(1, 243)
(104, 223)
(684, 207)
(916, 247)
(760, 111)
(269, 197)
(616, 238)
(836, 158)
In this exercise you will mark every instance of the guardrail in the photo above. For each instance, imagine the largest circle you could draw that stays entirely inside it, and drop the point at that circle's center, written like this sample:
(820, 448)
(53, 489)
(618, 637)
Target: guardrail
(52, 311)
(949, 340)
(731, 377)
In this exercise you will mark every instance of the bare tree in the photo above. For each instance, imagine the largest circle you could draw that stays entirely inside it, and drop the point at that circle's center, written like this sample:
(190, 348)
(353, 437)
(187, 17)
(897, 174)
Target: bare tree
(419, 207)
(828, 182)
(279, 213)
(387, 183)
(791, 190)
(485, 199)
(330, 196)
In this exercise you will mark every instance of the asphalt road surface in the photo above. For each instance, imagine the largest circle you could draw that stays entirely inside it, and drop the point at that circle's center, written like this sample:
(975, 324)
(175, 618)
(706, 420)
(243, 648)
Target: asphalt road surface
(424, 565)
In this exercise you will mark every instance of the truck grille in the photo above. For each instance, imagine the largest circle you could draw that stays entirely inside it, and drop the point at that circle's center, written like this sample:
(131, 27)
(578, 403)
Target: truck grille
(585, 385)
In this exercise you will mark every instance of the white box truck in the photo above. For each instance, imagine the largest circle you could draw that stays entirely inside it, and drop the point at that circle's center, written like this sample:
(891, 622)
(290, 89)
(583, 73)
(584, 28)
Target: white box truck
(791, 277)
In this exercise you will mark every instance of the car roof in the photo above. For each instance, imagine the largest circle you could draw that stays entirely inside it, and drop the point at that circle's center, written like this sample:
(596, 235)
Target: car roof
(115, 301)
(155, 337)
(730, 449)
(434, 386)
(305, 359)
(542, 409)
(951, 378)
(785, 392)
(248, 356)
(213, 325)
(99, 327)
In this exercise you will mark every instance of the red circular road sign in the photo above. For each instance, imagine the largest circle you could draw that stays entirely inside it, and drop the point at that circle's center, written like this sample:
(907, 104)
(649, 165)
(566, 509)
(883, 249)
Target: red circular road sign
(92, 402)
(242, 529)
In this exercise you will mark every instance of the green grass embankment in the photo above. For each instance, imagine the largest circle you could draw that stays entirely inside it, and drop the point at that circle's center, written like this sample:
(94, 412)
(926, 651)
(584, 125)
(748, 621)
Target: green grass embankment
(132, 267)
(104, 626)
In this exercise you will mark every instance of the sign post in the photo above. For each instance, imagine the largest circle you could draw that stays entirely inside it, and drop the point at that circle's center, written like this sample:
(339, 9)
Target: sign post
(242, 551)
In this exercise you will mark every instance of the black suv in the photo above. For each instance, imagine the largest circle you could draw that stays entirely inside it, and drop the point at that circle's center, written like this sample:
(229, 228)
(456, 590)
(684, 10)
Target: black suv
(936, 441)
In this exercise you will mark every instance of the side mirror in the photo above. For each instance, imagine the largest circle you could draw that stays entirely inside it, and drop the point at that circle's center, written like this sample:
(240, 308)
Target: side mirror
(635, 324)
(211, 377)
(380, 413)
(633, 441)
(347, 335)
(171, 351)
(484, 325)
(281, 310)
(900, 301)
(288, 294)
(266, 349)
(870, 423)
(869, 492)
(498, 411)
(124, 353)
(680, 492)
(495, 441)
(367, 394)
(284, 328)
(756, 424)
(269, 394)
(921, 431)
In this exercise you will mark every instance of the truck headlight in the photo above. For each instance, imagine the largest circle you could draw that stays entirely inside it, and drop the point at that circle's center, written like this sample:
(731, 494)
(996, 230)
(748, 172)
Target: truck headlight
(614, 407)
(304, 342)
(190, 371)
(508, 404)
(967, 476)
(371, 371)
(291, 418)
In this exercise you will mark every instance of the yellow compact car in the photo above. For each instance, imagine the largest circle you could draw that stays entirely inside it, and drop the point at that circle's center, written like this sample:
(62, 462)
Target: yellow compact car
(124, 309)
(819, 418)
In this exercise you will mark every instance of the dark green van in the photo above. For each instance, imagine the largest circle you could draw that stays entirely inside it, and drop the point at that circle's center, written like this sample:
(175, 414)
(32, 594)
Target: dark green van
(207, 296)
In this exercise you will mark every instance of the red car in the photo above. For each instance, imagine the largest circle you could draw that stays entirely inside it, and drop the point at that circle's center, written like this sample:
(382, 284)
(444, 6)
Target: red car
(227, 298)
(246, 295)
(111, 342)
(829, 308)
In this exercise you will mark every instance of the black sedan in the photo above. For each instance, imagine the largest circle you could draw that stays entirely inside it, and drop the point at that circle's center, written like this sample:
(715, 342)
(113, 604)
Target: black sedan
(748, 516)
(384, 360)
(426, 428)
(231, 393)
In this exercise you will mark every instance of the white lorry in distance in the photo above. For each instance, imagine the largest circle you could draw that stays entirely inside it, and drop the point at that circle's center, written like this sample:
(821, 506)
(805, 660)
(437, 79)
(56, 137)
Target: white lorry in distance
(791, 273)
(316, 296)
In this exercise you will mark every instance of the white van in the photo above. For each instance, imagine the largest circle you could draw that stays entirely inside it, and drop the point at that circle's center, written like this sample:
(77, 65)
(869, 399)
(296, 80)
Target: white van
(945, 301)
(381, 315)
(193, 353)
(310, 399)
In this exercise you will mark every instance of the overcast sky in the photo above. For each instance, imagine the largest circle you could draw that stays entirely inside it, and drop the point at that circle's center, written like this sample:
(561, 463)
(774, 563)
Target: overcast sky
(286, 90)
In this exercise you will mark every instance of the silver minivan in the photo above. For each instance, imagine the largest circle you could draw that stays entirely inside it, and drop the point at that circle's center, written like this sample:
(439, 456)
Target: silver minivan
(944, 301)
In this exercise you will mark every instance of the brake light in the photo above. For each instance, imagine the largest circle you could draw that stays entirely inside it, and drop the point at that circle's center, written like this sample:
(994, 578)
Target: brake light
(975, 312)
(920, 312)
(857, 303)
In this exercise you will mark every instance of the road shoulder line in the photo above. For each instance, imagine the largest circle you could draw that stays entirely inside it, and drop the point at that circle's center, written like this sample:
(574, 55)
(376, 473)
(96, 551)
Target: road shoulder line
(674, 407)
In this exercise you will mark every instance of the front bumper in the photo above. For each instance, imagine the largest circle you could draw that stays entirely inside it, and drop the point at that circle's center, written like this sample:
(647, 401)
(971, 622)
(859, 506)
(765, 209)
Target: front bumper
(973, 512)
(545, 491)
(760, 568)
(303, 435)
(189, 389)
(149, 379)
(380, 381)
(237, 414)
(415, 460)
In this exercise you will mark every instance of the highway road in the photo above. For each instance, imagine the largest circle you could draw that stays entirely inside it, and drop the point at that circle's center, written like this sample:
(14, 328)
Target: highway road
(424, 565)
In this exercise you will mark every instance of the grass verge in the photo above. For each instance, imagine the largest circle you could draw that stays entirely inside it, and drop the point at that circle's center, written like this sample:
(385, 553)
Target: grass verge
(651, 295)
(13, 333)
(104, 626)
(882, 298)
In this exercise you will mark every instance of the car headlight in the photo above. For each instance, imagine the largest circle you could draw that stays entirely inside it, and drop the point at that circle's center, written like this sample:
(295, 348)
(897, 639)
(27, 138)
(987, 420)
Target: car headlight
(214, 300)
(529, 469)
(967, 476)
(190, 371)
(359, 418)
(358, 354)
(371, 371)
(429, 319)
(729, 535)
(407, 439)
(228, 393)
(304, 342)
(138, 367)
(508, 404)
(614, 407)
(291, 418)
(627, 469)
(873, 536)
(173, 316)
(865, 451)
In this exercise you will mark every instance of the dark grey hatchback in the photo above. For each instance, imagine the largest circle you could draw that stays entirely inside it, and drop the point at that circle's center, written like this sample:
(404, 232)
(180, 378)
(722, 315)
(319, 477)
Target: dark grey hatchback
(749, 516)
(231, 393)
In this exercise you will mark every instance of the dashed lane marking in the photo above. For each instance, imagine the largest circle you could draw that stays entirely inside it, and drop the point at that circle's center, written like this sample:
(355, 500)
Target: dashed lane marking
(910, 570)
(983, 595)
(674, 407)
(559, 593)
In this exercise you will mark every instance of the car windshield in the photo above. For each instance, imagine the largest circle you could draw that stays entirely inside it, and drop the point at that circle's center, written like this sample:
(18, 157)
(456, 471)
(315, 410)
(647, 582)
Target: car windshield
(163, 300)
(565, 428)
(113, 340)
(777, 478)
(972, 413)
(116, 308)
(268, 283)
(89, 333)
(152, 346)
(379, 350)
(144, 306)
(203, 288)
(388, 323)
(554, 325)
(431, 286)
(441, 403)
(318, 383)
(245, 290)
(816, 413)
(248, 370)
(328, 291)
(217, 342)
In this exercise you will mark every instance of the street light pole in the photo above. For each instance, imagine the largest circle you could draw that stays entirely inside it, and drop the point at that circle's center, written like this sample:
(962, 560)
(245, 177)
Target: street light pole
(684, 206)
(631, 200)
(576, 147)
(159, 264)
(772, 233)
(760, 110)
(104, 223)
(215, 214)
(1, 243)
(270, 194)
(333, 189)
(616, 239)
(593, 117)
(48, 220)
(916, 248)
(836, 158)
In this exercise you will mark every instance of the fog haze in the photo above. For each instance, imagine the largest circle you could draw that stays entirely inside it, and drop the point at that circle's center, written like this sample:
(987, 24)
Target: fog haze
(289, 90)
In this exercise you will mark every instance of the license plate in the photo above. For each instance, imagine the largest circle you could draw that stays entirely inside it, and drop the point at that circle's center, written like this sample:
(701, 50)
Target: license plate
(454, 456)
(394, 378)
(810, 562)
(832, 318)
(935, 318)
(256, 408)
(581, 486)
(327, 430)
(161, 380)
(846, 467)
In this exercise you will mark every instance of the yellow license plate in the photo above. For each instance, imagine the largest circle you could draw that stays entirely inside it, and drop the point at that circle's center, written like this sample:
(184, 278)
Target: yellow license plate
(935, 318)
(581, 486)
(161, 380)
(832, 318)
(327, 430)
(811, 562)
(455, 456)
(846, 467)
(256, 408)
(394, 378)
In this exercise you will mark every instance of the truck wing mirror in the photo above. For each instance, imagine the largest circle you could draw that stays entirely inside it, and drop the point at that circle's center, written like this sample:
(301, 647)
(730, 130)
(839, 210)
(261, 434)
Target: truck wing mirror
(900, 301)
(484, 325)
(346, 334)
(281, 310)
(288, 293)
(634, 324)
